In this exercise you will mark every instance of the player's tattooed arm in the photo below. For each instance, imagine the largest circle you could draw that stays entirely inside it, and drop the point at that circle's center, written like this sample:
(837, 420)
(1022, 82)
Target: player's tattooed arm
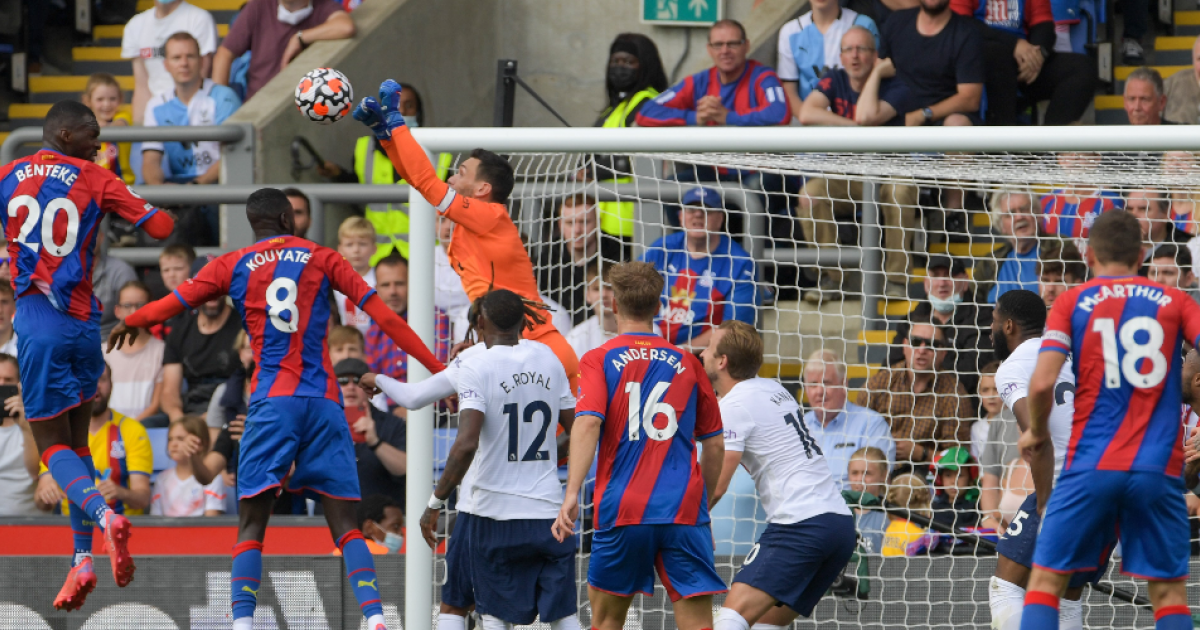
(470, 423)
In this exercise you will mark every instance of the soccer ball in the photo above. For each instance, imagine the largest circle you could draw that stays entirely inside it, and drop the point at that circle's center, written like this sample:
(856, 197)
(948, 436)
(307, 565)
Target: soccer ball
(324, 95)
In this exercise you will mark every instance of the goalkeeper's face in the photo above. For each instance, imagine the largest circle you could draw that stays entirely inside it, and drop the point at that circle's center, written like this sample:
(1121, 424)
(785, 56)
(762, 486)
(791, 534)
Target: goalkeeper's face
(466, 180)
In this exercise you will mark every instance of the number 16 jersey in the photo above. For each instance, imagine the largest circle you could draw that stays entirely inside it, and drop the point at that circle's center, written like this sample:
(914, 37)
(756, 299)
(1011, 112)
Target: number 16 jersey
(655, 401)
(1124, 336)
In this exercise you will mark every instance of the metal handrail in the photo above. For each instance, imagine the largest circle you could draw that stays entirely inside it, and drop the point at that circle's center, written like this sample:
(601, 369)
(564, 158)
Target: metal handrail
(214, 133)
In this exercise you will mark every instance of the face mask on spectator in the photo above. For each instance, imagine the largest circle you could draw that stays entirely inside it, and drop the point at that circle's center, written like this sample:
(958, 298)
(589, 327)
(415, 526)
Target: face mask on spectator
(293, 17)
(622, 77)
(944, 306)
(393, 542)
(411, 122)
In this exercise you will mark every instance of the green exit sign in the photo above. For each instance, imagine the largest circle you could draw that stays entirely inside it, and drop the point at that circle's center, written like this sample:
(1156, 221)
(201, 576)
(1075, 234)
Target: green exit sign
(681, 12)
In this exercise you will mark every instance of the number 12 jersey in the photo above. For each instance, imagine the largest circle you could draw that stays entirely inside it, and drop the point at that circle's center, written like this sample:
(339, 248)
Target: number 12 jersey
(1125, 336)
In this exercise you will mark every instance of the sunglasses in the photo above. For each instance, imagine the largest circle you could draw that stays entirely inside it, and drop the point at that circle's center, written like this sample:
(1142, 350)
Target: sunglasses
(346, 380)
(920, 342)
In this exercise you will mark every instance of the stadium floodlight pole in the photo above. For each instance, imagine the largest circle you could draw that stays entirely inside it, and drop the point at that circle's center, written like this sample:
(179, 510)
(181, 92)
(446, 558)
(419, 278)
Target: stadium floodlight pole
(418, 561)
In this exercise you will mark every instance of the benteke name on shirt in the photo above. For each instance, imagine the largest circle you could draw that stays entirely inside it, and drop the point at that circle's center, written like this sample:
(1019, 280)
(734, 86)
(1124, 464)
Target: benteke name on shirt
(65, 174)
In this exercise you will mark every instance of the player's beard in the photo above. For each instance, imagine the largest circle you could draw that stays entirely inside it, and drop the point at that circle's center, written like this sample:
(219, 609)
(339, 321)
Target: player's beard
(1000, 346)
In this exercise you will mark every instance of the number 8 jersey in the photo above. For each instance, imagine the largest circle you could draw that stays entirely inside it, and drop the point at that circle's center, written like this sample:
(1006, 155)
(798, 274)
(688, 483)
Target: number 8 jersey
(655, 401)
(1124, 336)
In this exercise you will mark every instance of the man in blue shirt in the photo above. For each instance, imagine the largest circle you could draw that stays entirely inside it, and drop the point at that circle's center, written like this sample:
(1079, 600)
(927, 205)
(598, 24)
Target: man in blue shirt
(1015, 265)
(839, 426)
(809, 46)
(864, 91)
(709, 278)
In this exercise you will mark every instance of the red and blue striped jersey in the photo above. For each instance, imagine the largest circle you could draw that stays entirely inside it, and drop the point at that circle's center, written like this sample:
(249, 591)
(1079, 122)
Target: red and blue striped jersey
(281, 286)
(1124, 336)
(1072, 216)
(755, 99)
(655, 401)
(55, 205)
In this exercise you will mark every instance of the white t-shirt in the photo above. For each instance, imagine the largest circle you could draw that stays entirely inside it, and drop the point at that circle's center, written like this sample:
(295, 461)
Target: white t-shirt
(979, 436)
(558, 316)
(185, 497)
(520, 390)
(145, 35)
(764, 422)
(349, 312)
(1012, 381)
(591, 335)
(134, 377)
(16, 486)
(10, 346)
(448, 293)
(466, 487)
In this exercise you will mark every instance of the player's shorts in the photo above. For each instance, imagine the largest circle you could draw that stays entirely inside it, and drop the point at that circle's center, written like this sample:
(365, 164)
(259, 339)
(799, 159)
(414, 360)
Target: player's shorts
(528, 572)
(1020, 540)
(566, 354)
(458, 591)
(796, 563)
(625, 559)
(59, 357)
(1089, 509)
(313, 433)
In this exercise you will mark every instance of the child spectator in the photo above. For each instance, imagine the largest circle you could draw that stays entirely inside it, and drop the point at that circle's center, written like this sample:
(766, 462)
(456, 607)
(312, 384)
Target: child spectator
(175, 267)
(990, 408)
(356, 243)
(381, 521)
(868, 470)
(904, 538)
(346, 342)
(102, 94)
(956, 482)
(1060, 267)
(136, 367)
(176, 491)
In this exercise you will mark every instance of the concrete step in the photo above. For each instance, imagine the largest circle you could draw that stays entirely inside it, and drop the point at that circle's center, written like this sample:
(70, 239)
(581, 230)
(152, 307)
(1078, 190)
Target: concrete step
(111, 35)
(973, 250)
(54, 89)
(1169, 51)
(89, 59)
(1120, 73)
(32, 114)
(1110, 110)
(1187, 23)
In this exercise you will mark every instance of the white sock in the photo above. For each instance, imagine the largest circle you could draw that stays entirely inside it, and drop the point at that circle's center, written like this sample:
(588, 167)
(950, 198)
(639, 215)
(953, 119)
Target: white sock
(1006, 601)
(447, 621)
(495, 623)
(570, 622)
(1070, 615)
(376, 622)
(766, 626)
(730, 619)
(245, 623)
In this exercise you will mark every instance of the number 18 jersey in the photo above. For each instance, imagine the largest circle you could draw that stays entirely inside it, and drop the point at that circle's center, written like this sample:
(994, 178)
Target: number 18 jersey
(1124, 336)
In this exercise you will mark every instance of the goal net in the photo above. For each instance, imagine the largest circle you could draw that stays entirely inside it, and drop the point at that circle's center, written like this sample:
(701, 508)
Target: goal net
(872, 271)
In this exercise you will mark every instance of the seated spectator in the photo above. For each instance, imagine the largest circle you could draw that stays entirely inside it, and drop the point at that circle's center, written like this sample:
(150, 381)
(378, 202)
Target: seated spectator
(379, 437)
(121, 455)
(18, 451)
(924, 404)
(230, 399)
(1059, 269)
(448, 293)
(276, 31)
(1013, 265)
(562, 262)
(200, 352)
(863, 91)
(1182, 90)
(868, 471)
(939, 56)
(950, 306)
(8, 309)
(904, 538)
(1153, 211)
(301, 210)
(736, 91)
(1171, 265)
(109, 274)
(602, 325)
(956, 499)
(175, 267)
(1000, 448)
(809, 46)
(137, 367)
(1019, 59)
(102, 94)
(144, 42)
(346, 342)
(1069, 211)
(381, 521)
(1185, 199)
(357, 244)
(839, 426)
(991, 407)
(1144, 97)
(177, 492)
(709, 277)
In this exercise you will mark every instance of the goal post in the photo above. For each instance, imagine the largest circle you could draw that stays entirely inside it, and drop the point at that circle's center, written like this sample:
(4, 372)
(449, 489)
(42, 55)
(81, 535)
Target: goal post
(871, 208)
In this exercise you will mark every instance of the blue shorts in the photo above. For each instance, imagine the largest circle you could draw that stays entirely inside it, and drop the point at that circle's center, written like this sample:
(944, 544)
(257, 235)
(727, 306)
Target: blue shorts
(313, 433)
(59, 357)
(1090, 509)
(458, 591)
(625, 559)
(797, 563)
(1019, 541)
(529, 574)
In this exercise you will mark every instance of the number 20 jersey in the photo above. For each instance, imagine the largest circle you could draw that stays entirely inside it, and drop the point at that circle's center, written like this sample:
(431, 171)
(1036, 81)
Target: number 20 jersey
(280, 286)
(1125, 336)
(655, 401)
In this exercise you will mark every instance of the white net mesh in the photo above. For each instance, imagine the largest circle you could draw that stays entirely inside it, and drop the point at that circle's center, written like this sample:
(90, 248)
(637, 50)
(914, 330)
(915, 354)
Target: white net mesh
(845, 249)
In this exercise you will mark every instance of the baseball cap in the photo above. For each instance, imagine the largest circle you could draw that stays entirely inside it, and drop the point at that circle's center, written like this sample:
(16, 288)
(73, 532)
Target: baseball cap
(953, 458)
(350, 367)
(941, 261)
(703, 197)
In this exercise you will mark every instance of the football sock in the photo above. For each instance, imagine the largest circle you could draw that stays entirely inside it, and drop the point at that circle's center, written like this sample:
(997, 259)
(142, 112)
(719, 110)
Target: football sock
(1173, 618)
(570, 622)
(495, 623)
(447, 621)
(1070, 615)
(245, 579)
(360, 570)
(73, 477)
(81, 526)
(244, 623)
(1006, 601)
(1041, 611)
(730, 619)
(376, 622)
(766, 626)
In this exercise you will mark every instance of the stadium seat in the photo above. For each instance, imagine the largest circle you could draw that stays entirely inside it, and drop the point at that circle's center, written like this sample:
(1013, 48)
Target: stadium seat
(158, 442)
(738, 519)
(443, 439)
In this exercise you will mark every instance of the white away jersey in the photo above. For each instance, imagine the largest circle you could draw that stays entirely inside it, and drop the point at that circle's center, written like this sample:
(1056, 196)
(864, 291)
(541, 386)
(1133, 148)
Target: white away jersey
(520, 390)
(763, 420)
(1012, 381)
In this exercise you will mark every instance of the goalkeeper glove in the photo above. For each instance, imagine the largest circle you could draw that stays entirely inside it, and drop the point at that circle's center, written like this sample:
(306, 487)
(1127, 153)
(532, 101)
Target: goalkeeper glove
(369, 113)
(389, 102)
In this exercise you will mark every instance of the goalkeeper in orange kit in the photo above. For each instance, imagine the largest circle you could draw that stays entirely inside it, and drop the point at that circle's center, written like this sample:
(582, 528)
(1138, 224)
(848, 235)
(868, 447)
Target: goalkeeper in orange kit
(486, 249)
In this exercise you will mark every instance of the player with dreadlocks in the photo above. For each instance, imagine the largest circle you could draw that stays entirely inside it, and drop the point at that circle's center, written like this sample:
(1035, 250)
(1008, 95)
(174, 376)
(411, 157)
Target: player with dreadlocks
(509, 393)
